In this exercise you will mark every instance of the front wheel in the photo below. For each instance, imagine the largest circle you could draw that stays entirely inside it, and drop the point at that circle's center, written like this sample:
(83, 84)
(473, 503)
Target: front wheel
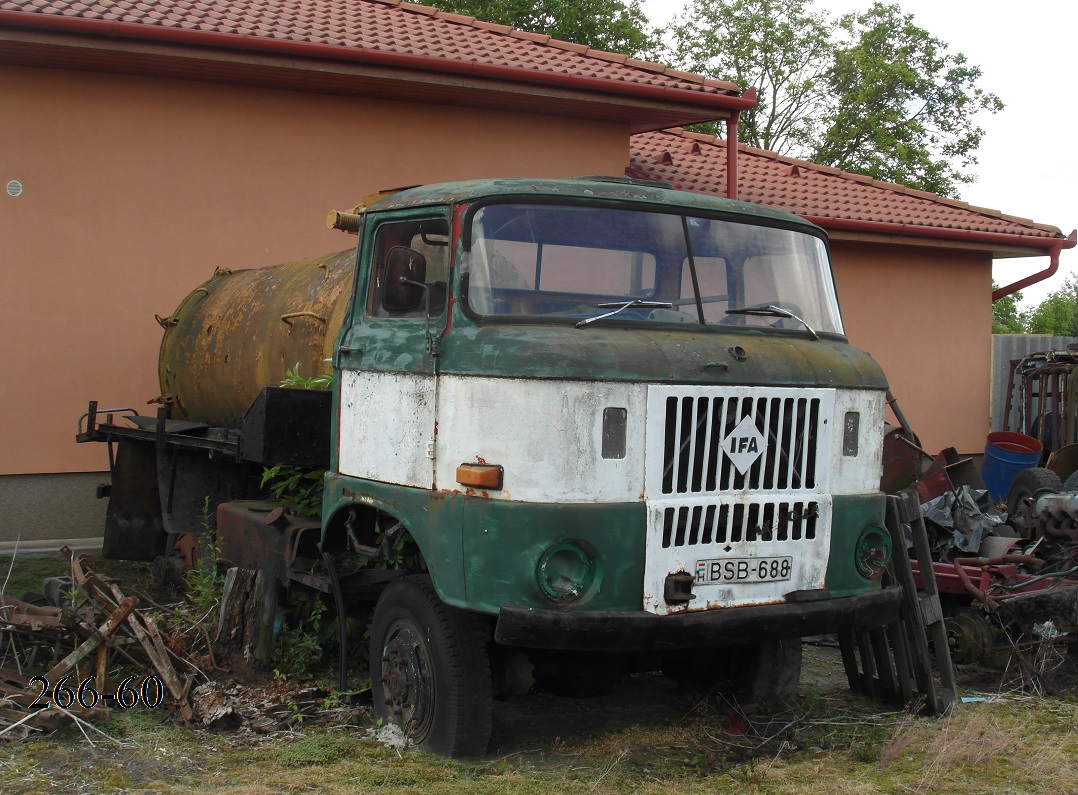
(430, 673)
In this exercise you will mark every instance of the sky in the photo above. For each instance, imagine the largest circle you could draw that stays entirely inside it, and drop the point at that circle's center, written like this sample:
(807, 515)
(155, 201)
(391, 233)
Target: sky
(1028, 163)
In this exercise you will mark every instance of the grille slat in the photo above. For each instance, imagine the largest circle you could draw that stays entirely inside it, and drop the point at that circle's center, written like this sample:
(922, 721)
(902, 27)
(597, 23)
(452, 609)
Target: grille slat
(721, 523)
(695, 460)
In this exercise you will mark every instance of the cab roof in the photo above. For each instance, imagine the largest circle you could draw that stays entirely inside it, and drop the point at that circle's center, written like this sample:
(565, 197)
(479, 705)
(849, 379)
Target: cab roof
(602, 188)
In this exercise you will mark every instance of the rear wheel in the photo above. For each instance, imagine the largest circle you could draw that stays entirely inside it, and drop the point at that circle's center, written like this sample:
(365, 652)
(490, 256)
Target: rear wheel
(430, 673)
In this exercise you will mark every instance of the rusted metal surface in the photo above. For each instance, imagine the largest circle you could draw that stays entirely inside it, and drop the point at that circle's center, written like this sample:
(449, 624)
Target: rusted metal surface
(1041, 401)
(257, 534)
(242, 330)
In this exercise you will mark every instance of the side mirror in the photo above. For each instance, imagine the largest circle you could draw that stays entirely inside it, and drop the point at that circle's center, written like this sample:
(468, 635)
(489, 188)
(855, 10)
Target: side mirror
(405, 277)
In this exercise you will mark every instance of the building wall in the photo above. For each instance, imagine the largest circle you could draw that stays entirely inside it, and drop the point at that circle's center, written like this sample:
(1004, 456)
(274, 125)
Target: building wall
(926, 316)
(136, 189)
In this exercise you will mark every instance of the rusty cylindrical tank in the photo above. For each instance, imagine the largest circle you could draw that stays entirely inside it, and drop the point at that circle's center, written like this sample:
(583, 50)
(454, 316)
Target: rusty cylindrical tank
(242, 330)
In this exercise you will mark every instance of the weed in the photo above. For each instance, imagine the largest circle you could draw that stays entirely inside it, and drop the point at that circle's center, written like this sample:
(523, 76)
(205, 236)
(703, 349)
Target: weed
(295, 488)
(204, 582)
(293, 379)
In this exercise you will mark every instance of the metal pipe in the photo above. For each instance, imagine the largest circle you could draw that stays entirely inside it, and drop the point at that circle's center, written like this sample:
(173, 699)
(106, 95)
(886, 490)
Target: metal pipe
(731, 155)
(249, 43)
(1053, 266)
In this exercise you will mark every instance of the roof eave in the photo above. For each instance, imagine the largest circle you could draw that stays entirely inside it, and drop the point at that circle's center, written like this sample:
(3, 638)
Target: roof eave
(1001, 244)
(690, 105)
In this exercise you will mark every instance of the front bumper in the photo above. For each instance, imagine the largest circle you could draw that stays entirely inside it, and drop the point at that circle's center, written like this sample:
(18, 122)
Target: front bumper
(609, 630)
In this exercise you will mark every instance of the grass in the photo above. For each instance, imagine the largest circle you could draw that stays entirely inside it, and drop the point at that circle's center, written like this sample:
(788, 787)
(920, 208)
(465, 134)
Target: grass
(647, 737)
(829, 745)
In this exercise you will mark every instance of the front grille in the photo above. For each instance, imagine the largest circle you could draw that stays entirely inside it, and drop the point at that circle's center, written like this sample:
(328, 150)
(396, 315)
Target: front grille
(698, 425)
(696, 525)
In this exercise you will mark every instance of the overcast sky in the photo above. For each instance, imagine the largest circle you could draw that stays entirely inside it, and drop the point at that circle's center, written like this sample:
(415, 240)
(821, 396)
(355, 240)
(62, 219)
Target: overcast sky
(1029, 157)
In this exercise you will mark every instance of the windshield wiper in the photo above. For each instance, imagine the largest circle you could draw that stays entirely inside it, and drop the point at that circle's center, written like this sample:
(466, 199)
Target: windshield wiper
(636, 302)
(770, 310)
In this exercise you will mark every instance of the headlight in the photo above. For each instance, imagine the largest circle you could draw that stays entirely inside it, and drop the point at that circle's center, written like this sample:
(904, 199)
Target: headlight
(566, 572)
(873, 551)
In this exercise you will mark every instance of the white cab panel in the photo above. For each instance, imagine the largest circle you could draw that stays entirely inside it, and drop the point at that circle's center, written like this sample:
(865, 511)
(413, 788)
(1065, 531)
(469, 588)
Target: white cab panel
(387, 426)
(546, 434)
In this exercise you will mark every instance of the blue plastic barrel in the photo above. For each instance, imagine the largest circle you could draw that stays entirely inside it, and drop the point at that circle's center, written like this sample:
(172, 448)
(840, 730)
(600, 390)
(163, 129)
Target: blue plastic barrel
(1005, 455)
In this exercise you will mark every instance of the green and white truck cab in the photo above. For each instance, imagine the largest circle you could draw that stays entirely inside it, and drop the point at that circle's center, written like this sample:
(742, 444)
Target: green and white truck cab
(599, 425)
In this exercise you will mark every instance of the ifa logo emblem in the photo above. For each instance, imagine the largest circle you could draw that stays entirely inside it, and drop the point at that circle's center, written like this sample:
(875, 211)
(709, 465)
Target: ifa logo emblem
(743, 445)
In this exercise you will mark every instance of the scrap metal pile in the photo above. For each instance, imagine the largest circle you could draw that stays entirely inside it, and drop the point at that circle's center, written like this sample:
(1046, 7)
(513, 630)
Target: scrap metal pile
(1007, 572)
(99, 652)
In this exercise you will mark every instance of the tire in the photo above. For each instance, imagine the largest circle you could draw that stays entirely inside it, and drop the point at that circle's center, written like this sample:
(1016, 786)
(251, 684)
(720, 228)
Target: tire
(1025, 488)
(754, 675)
(430, 673)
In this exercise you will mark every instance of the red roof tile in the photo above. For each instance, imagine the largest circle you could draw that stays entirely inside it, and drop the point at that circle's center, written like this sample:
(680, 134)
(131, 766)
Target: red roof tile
(828, 195)
(383, 26)
(695, 162)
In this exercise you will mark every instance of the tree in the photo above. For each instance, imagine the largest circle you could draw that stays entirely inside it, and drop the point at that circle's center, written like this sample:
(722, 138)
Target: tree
(1058, 313)
(1006, 317)
(870, 92)
(610, 25)
(904, 107)
(780, 48)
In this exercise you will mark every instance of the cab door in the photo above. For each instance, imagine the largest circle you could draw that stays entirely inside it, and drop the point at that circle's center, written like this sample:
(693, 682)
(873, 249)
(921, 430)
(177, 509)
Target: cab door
(387, 358)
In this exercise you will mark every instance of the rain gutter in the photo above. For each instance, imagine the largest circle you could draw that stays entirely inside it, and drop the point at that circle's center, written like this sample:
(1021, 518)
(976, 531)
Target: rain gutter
(249, 43)
(1052, 245)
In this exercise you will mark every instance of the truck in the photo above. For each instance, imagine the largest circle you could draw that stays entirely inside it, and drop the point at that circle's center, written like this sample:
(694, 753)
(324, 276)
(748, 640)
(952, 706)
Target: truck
(577, 428)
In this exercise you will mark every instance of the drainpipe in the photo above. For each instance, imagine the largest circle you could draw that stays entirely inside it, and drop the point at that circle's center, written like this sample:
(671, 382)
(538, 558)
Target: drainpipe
(731, 155)
(749, 97)
(1053, 266)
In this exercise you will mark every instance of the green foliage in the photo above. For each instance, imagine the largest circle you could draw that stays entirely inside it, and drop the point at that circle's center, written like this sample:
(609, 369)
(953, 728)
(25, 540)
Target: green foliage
(781, 48)
(204, 582)
(292, 378)
(610, 25)
(868, 92)
(1058, 313)
(1006, 316)
(299, 646)
(295, 488)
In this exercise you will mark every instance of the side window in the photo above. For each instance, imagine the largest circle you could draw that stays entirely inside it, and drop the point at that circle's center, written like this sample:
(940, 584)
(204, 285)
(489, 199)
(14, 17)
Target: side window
(418, 251)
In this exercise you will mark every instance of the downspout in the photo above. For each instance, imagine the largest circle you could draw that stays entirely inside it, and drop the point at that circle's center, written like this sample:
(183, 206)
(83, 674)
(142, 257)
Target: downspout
(731, 155)
(1053, 266)
(749, 97)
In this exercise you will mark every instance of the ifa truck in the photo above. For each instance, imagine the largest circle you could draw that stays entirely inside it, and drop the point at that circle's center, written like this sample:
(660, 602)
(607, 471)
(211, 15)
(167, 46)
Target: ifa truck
(576, 428)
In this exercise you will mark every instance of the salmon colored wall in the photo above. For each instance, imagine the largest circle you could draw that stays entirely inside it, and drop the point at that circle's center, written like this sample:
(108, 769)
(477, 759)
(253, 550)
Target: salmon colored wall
(926, 317)
(135, 189)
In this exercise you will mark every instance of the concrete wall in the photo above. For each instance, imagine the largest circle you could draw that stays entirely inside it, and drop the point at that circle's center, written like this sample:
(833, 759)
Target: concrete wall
(135, 189)
(926, 316)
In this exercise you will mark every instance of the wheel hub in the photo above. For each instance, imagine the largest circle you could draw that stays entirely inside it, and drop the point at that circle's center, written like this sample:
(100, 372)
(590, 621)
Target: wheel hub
(408, 684)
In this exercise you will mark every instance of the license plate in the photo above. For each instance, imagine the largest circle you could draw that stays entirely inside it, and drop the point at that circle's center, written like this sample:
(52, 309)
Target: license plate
(719, 570)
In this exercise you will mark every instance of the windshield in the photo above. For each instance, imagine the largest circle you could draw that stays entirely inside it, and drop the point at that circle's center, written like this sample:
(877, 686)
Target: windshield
(574, 262)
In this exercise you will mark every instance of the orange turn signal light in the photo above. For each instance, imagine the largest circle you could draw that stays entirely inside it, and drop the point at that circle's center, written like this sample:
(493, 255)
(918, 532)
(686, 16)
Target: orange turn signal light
(481, 476)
